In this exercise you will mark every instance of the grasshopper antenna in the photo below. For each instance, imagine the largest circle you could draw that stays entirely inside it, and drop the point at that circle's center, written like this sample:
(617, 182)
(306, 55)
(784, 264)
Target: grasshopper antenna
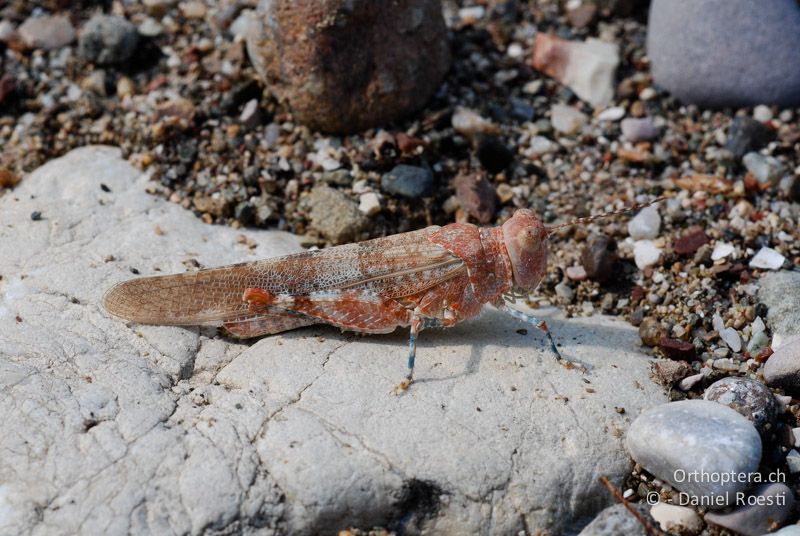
(589, 219)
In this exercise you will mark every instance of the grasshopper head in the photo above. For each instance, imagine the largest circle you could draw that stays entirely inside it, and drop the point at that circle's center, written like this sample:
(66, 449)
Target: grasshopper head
(526, 241)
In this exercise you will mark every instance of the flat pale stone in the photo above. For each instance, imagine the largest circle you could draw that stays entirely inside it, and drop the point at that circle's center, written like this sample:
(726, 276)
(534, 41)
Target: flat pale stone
(692, 443)
(111, 427)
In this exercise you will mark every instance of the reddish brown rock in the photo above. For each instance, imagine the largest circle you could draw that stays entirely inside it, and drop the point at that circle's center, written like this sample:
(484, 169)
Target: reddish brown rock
(347, 65)
(599, 256)
(7, 86)
(677, 349)
(689, 243)
(477, 197)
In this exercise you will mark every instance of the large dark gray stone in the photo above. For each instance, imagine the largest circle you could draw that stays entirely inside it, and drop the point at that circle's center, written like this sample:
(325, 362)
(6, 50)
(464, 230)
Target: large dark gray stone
(719, 53)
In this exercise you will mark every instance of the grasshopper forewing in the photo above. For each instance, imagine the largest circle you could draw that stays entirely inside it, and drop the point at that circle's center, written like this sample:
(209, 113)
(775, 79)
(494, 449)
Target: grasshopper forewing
(434, 277)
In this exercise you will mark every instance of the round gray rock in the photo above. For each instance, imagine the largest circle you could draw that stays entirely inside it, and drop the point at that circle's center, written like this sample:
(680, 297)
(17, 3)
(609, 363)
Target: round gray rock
(782, 369)
(750, 398)
(691, 443)
(756, 513)
(108, 39)
(408, 181)
(719, 53)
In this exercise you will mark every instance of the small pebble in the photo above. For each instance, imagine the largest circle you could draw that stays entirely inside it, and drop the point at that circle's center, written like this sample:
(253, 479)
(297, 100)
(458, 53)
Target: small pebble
(477, 196)
(108, 39)
(567, 120)
(722, 250)
(767, 259)
(408, 181)
(615, 113)
(793, 461)
(564, 291)
(46, 32)
(750, 398)
(782, 369)
(617, 520)
(369, 203)
(668, 372)
(645, 253)
(636, 130)
(731, 337)
(598, 257)
(469, 122)
(335, 215)
(650, 331)
(766, 505)
(689, 243)
(677, 349)
(36, 215)
(576, 273)
(673, 440)
(766, 169)
(645, 225)
(538, 146)
(746, 135)
(762, 113)
(689, 382)
(676, 519)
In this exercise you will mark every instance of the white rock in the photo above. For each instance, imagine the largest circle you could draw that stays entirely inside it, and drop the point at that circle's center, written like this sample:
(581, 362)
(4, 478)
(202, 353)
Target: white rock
(722, 250)
(766, 169)
(588, 68)
(469, 122)
(676, 519)
(566, 119)
(113, 427)
(793, 461)
(717, 323)
(762, 113)
(731, 338)
(689, 382)
(615, 113)
(645, 253)
(540, 145)
(369, 203)
(646, 224)
(767, 259)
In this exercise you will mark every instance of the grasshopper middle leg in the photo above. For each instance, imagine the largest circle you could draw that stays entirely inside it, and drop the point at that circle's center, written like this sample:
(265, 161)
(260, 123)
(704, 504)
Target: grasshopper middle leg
(418, 323)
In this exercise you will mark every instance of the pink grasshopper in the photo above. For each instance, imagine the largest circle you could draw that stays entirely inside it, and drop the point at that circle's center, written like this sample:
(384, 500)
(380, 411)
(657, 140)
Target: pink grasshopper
(434, 277)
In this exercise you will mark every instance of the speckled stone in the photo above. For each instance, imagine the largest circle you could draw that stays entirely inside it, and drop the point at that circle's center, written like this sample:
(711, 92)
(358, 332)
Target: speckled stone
(750, 398)
(782, 369)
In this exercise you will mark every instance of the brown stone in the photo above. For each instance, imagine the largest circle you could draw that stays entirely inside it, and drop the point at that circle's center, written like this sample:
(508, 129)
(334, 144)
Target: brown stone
(650, 331)
(582, 16)
(689, 243)
(668, 373)
(677, 349)
(8, 179)
(599, 256)
(477, 197)
(347, 65)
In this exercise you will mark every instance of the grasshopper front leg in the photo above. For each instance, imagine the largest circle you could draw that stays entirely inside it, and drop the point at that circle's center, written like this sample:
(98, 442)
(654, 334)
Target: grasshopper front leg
(541, 325)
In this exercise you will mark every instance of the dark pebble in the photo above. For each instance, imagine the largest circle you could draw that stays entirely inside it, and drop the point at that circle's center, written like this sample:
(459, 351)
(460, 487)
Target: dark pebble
(494, 155)
(477, 197)
(746, 134)
(108, 39)
(36, 215)
(245, 212)
(677, 349)
(521, 110)
(408, 181)
(689, 243)
(134, 271)
(105, 188)
(599, 256)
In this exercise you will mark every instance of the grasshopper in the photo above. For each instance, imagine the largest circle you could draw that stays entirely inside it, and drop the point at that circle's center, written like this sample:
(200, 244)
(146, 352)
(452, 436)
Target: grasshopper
(431, 278)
